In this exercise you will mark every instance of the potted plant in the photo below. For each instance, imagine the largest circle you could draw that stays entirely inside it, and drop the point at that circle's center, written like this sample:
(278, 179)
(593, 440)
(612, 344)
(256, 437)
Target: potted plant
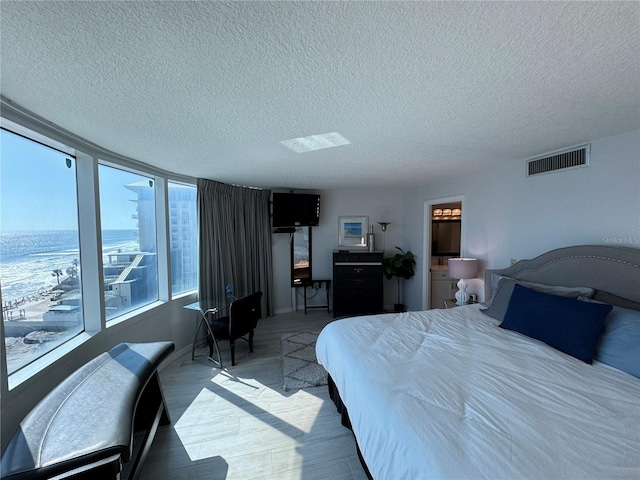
(401, 265)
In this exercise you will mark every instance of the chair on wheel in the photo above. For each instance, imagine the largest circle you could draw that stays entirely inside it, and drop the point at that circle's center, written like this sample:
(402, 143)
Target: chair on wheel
(243, 317)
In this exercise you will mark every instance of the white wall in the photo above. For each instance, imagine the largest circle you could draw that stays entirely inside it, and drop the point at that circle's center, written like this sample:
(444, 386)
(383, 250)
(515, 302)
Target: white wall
(379, 204)
(507, 215)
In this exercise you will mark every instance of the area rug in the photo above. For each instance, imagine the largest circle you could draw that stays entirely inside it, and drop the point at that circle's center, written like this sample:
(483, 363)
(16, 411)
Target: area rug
(299, 364)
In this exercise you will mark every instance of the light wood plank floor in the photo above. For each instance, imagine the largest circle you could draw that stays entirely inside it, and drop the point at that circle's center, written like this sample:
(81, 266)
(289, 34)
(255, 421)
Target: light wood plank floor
(239, 423)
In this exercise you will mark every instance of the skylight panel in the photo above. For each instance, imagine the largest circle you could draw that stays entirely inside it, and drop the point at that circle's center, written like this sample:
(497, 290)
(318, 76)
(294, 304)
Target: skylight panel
(315, 142)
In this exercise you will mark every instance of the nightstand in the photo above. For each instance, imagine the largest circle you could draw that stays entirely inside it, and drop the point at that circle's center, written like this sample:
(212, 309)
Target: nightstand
(451, 302)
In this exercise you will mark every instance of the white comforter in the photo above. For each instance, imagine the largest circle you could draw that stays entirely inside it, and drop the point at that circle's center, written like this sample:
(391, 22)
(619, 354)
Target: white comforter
(448, 394)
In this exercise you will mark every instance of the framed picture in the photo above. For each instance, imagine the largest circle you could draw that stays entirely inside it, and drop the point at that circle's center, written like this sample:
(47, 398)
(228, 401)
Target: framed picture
(352, 231)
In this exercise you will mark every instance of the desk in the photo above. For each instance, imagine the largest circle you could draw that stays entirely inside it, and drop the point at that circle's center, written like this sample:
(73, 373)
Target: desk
(195, 306)
(313, 283)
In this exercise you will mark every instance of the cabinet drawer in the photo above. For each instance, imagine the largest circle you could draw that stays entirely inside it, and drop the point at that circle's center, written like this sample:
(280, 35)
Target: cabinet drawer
(355, 282)
(359, 291)
(357, 257)
(356, 271)
(440, 275)
(358, 302)
(359, 307)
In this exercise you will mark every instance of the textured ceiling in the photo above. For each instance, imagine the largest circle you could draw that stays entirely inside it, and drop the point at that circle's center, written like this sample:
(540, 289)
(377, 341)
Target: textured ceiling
(422, 90)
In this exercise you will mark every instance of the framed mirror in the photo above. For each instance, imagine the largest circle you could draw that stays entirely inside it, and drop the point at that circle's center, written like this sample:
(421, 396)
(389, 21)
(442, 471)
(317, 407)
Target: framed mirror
(301, 256)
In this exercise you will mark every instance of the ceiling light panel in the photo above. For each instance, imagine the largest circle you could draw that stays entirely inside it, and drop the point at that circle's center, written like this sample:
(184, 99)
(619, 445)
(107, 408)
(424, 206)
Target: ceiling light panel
(315, 142)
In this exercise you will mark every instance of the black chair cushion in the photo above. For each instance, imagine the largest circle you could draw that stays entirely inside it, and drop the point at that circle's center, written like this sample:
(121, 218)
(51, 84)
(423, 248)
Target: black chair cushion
(220, 328)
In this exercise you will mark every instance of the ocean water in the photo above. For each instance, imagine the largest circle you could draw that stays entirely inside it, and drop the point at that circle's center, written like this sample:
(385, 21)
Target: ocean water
(28, 259)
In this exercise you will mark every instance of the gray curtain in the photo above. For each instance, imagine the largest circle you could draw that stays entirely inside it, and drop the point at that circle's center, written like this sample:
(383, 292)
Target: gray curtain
(234, 242)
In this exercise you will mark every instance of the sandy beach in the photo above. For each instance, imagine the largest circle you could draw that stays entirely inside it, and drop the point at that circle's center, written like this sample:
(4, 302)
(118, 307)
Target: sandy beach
(28, 311)
(19, 351)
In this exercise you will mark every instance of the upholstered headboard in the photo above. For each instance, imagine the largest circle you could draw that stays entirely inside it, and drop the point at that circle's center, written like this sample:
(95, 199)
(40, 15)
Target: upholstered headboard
(610, 269)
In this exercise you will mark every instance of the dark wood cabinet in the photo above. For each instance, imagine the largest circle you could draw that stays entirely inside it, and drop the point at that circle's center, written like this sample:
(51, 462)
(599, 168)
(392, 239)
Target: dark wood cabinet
(357, 283)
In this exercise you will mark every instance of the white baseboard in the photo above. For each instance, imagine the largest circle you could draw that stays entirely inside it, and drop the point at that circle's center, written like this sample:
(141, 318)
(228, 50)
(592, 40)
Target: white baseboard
(283, 310)
(175, 355)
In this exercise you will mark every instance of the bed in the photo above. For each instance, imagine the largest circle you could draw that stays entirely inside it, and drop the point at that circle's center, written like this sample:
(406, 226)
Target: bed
(464, 393)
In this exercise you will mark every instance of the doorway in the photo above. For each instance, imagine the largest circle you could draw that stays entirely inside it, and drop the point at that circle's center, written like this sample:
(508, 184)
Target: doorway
(443, 240)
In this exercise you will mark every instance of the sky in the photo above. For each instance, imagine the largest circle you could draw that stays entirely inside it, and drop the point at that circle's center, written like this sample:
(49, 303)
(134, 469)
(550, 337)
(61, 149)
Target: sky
(38, 190)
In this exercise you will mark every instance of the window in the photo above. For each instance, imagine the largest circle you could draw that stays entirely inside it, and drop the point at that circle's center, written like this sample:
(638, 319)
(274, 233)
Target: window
(184, 238)
(39, 249)
(50, 290)
(129, 251)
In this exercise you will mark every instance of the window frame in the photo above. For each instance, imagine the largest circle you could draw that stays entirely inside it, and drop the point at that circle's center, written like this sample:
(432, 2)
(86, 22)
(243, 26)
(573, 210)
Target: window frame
(159, 239)
(74, 338)
(88, 158)
(170, 233)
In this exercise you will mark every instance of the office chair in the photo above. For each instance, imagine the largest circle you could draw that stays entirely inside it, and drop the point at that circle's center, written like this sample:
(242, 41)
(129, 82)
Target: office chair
(243, 317)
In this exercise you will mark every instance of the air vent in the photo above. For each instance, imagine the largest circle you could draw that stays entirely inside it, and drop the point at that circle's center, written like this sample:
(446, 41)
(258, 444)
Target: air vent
(573, 158)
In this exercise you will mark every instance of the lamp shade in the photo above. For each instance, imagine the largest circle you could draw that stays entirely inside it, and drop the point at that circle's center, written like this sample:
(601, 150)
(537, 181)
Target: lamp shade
(463, 268)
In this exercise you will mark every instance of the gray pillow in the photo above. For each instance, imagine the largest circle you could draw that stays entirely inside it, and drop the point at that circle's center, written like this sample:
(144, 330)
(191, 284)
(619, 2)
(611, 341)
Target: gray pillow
(500, 301)
(619, 344)
(560, 291)
(615, 300)
(493, 288)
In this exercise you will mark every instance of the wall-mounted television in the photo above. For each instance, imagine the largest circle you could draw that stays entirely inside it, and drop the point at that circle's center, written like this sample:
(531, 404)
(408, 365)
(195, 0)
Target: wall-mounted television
(295, 210)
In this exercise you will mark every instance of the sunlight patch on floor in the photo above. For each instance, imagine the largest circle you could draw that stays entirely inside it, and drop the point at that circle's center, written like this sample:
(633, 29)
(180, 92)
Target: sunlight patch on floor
(220, 415)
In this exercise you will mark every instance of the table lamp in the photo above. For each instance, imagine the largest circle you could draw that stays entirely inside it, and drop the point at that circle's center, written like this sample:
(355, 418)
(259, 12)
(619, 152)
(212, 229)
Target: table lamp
(463, 269)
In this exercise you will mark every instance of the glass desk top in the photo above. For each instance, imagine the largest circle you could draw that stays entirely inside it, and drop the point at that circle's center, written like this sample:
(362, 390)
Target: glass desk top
(206, 307)
(210, 306)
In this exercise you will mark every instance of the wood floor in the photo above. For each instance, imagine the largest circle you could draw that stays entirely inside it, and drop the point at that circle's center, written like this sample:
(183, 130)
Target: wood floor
(239, 423)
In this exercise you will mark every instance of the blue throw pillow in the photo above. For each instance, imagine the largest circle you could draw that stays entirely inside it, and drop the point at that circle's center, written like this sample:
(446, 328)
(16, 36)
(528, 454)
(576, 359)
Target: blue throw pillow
(571, 326)
(500, 301)
(620, 341)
